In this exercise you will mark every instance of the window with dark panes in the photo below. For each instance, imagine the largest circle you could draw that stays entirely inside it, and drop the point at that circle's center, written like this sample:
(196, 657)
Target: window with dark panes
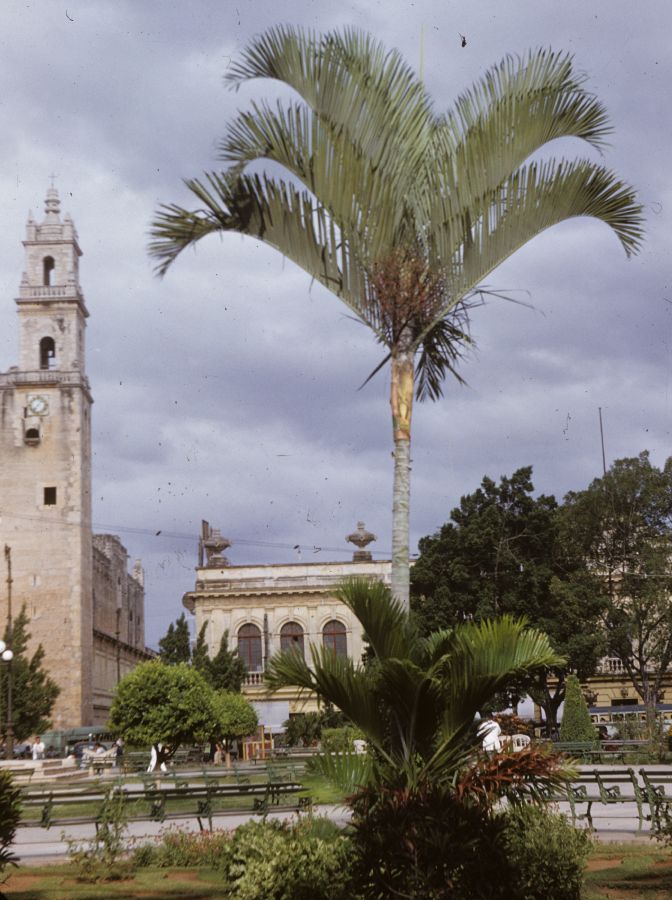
(249, 647)
(291, 637)
(333, 637)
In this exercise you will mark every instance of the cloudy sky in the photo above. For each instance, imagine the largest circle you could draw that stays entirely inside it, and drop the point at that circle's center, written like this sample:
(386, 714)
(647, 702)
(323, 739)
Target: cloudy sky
(228, 391)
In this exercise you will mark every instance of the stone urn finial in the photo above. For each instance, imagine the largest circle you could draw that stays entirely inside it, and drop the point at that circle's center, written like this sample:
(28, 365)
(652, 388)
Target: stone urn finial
(214, 545)
(361, 538)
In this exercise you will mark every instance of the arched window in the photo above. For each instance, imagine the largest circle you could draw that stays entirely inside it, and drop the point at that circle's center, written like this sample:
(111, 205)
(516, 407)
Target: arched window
(32, 437)
(47, 353)
(48, 266)
(249, 647)
(333, 637)
(291, 637)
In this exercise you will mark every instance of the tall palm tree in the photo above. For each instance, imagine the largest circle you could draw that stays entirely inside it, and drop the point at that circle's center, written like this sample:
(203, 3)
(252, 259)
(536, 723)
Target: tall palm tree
(400, 211)
(417, 703)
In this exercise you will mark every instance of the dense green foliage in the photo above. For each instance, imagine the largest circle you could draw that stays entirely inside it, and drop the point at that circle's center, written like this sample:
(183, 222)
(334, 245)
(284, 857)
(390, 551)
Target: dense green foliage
(506, 551)
(34, 692)
(271, 861)
(10, 813)
(305, 729)
(308, 860)
(167, 704)
(178, 848)
(225, 671)
(622, 525)
(175, 645)
(399, 210)
(546, 855)
(422, 842)
(576, 722)
(339, 740)
(302, 730)
(173, 704)
(235, 717)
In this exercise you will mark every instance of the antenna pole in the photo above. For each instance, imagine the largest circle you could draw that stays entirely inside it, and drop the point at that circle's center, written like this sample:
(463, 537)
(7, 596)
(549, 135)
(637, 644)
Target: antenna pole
(604, 461)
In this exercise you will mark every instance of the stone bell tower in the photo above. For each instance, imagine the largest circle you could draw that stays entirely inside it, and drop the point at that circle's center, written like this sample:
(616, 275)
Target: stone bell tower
(45, 463)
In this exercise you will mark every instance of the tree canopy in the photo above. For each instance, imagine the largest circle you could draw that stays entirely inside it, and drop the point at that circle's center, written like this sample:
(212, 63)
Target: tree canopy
(160, 703)
(175, 645)
(622, 524)
(505, 551)
(224, 671)
(400, 211)
(576, 722)
(235, 716)
(34, 692)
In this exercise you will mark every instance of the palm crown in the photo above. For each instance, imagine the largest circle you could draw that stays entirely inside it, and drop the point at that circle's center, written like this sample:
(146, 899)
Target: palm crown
(417, 702)
(400, 211)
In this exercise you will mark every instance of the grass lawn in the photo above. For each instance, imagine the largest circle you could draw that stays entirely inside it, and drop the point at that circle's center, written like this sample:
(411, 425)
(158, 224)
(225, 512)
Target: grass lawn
(615, 871)
(59, 883)
(629, 872)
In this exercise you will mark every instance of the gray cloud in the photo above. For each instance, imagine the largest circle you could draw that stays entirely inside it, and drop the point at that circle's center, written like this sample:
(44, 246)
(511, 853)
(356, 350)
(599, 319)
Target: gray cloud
(228, 390)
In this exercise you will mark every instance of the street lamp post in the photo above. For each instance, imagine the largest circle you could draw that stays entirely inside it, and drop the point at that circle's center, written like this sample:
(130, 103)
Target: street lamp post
(7, 656)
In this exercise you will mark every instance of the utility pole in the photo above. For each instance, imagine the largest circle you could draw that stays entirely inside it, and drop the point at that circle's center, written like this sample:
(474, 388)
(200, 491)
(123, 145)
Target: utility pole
(9, 731)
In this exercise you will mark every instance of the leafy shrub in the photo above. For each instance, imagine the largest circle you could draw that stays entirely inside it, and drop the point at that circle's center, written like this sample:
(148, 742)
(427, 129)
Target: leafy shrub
(101, 858)
(271, 861)
(576, 723)
(546, 854)
(339, 740)
(424, 843)
(10, 812)
(303, 730)
(182, 849)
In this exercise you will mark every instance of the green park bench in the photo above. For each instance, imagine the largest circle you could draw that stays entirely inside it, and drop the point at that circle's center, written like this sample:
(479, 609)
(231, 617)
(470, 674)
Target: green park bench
(606, 787)
(157, 801)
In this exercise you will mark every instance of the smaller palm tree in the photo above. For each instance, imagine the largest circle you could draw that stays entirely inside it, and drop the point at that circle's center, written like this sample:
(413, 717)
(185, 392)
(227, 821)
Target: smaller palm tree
(416, 701)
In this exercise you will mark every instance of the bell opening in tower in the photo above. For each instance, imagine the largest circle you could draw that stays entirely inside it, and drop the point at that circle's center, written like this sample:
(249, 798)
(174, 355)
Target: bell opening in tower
(48, 266)
(47, 353)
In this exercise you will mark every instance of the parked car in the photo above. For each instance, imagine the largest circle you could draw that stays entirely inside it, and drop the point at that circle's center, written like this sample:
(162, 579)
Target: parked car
(24, 750)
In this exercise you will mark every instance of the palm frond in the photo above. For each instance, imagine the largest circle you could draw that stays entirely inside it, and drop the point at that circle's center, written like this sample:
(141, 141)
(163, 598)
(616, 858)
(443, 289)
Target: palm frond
(350, 772)
(535, 198)
(333, 679)
(443, 347)
(269, 210)
(383, 619)
(483, 658)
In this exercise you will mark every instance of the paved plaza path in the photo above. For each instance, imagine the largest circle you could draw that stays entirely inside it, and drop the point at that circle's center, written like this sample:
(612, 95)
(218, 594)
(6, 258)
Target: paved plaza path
(37, 846)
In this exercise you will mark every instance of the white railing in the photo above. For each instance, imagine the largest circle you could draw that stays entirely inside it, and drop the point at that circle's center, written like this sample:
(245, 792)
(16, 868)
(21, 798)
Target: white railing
(611, 665)
(254, 679)
(43, 376)
(49, 292)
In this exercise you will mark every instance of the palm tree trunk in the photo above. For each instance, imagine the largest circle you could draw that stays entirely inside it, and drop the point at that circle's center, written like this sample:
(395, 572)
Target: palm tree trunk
(401, 402)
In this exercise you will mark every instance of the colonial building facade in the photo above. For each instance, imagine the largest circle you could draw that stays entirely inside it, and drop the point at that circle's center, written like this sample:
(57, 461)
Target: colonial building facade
(85, 608)
(266, 608)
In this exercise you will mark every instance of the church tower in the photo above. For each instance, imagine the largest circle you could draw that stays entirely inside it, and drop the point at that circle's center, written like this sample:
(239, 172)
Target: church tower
(45, 464)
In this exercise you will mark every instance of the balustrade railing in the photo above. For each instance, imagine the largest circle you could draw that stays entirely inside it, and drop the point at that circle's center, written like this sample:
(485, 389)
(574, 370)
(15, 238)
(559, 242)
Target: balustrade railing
(48, 292)
(43, 376)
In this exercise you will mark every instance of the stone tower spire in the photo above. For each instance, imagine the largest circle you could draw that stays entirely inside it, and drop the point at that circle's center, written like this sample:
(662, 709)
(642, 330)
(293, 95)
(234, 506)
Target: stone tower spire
(52, 311)
(45, 449)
